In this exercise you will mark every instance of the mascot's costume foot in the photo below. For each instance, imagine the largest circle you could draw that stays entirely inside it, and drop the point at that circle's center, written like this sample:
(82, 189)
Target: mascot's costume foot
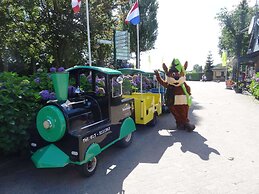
(178, 93)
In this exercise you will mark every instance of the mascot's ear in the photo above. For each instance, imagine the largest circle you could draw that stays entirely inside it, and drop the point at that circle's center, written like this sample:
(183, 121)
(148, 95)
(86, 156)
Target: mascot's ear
(165, 68)
(185, 65)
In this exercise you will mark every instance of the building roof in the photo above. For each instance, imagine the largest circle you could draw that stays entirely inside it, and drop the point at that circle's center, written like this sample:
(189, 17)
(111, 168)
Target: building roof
(249, 58)
(219, 69)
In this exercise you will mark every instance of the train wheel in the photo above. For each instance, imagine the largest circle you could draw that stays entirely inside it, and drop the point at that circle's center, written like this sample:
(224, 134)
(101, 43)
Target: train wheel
(153, 122)
(88, 169)
(126, 141)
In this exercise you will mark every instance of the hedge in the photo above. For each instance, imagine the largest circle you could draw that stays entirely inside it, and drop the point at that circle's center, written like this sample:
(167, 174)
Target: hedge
(193, 76)
(19, 101)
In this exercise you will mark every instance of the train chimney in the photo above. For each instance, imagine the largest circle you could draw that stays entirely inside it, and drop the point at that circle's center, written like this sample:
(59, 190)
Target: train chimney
(60, 82)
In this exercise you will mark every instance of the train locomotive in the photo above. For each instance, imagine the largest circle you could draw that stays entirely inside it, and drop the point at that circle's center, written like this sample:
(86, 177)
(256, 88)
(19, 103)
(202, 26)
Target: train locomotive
(84, 120)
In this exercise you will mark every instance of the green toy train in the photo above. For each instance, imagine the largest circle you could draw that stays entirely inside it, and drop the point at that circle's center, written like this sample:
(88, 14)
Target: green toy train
(84, 121)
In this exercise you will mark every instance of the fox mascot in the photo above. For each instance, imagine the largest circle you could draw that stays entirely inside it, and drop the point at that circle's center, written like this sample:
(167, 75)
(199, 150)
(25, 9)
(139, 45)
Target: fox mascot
(178, 93)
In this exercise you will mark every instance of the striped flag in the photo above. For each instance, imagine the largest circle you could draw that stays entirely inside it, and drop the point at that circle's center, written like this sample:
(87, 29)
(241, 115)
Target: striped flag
(76, 4)
(133, 15)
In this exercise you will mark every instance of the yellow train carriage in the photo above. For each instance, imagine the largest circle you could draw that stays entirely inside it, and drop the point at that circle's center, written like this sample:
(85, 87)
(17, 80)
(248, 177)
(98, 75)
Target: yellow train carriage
(147, 105)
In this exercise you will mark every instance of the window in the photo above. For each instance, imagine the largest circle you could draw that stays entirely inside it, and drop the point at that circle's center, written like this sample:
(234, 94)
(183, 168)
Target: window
(218, 73)
(86, 81)
(100, 84)
(117, 86)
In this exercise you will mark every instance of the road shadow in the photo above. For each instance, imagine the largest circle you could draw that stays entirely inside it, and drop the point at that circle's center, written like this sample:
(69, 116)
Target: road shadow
(194, 143)
(115, 164)
(195, 119)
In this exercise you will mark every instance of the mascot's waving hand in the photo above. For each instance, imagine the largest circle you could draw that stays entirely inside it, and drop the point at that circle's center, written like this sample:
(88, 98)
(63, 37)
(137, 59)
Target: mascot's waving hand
(178, 93)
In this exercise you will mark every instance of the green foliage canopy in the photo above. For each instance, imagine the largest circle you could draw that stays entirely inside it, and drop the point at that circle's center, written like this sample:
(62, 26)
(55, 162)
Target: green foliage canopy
(46, 33)
(233, 38)
(197, 68)
(148, 28)
(209, 62)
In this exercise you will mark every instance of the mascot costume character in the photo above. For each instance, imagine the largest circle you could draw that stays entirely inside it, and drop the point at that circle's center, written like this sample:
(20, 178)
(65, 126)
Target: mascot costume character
(178, 93)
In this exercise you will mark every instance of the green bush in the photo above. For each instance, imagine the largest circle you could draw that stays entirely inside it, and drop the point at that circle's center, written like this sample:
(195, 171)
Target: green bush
(126, 86)
(19, 102)
(193, 76)
(209, 75)
(254, 86)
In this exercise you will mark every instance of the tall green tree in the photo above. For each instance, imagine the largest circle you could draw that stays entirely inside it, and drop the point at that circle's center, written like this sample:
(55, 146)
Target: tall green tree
(19, 34)
(148, 28)
(209, 62)
(47, 33)
(208, 67)
(64, 37)
(103, 20)
(40, 33)
(234, 39)
(197, 68)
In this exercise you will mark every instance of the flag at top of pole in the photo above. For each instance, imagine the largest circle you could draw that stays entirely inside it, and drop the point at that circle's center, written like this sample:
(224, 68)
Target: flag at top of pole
(76, 4)
(224, 58)
(133, 15)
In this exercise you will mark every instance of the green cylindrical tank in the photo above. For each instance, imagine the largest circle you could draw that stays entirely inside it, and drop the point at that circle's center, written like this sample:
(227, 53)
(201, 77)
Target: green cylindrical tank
(51, 123)
(60, 82)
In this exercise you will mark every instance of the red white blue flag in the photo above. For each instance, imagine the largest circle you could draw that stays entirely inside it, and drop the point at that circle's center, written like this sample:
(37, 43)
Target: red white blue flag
(133, 15)
(76, 4)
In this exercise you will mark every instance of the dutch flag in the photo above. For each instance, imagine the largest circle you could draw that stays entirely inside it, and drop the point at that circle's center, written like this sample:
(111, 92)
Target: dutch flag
(133, 15)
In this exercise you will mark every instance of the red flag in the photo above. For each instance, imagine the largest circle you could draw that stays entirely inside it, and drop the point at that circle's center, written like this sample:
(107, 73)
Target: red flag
(76, 4)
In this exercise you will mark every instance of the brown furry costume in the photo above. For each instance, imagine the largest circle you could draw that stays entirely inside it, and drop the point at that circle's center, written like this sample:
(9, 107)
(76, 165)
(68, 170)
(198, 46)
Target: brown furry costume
(177, 95)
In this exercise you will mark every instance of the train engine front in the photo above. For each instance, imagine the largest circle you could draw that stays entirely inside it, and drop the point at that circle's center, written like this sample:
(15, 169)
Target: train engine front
(76, 127)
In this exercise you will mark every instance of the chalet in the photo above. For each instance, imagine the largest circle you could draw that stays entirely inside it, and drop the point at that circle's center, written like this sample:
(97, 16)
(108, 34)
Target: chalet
(247, 65)
(219, 73)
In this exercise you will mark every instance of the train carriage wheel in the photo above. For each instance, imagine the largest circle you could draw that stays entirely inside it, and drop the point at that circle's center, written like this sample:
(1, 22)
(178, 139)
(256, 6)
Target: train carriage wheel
(88, 169)
(126, 141)
(153, 122)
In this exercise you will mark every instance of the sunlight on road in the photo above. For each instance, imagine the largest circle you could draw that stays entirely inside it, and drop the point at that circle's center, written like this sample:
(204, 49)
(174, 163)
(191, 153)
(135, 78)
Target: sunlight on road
(165, 132)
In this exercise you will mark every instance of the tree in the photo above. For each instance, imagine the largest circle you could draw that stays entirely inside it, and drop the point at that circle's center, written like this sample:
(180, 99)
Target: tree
(65, 34)
(209, 62)
(208, 67)
(36, 33)
(148, 28)
(233, 39)
(20, 34)
(45, 33)
(102, 23)
(197, 68)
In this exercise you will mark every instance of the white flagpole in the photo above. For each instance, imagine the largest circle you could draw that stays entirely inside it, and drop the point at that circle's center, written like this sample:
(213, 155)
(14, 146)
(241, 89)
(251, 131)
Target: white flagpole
(138, 53)
(88, 33)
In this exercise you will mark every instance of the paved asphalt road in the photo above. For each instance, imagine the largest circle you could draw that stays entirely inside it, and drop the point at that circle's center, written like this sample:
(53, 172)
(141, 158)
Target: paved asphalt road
(220, 157)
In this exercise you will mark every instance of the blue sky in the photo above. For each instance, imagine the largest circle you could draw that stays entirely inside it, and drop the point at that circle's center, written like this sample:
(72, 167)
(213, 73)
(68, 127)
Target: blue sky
(187, 30)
